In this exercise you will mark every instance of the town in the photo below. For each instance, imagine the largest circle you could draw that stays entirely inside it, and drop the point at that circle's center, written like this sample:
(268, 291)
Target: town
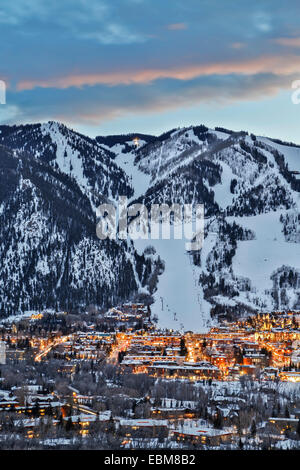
(114, 380)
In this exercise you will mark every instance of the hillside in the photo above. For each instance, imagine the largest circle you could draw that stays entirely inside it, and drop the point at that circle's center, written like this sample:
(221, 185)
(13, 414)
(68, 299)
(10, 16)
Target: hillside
(50, 256)
(250, 188)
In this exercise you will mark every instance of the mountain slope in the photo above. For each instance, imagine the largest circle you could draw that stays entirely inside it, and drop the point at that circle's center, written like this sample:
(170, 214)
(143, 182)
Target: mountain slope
(78, 156)
(250, 259)
(50, 256)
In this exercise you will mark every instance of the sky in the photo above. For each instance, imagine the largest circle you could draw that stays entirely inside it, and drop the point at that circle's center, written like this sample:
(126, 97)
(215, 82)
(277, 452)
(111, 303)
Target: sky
(113, 67)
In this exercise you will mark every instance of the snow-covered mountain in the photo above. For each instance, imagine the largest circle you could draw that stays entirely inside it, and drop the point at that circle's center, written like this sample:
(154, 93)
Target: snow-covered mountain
(250, 260)
(53, 178)
(83, 159)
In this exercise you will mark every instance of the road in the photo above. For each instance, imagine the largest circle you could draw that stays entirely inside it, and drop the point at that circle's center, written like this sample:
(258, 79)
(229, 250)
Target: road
(44, 352)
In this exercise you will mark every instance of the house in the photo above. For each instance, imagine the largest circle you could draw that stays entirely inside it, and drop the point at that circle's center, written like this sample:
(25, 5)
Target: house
(284, 424)
(203, 435)
(291, 376)
(151, 427)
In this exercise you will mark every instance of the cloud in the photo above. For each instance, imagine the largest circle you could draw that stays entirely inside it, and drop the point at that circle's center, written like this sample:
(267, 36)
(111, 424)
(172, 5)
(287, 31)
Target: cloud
(237, 45)
(94, 105)
(20, 11)
(96, 60)
(282, 65)
(17, 12)
(292, 42)
(262, 22)
(176, 26)
(115, 34)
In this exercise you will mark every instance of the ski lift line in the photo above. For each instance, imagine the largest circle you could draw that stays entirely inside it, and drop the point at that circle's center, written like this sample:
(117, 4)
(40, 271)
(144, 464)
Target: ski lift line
(159, 163)
(232, 139)
(205, 322)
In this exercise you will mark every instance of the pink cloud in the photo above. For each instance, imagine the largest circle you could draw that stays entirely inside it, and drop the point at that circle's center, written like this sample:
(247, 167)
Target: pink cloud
(176, 26)
(93, 112)
(238, 45)
(292, 42)
(280, 65)
(94, 115)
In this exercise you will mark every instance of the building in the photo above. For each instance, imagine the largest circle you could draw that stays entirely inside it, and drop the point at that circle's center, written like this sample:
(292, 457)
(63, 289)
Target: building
(290, 376)
(284, 424)
(149, 427)
(205, 436)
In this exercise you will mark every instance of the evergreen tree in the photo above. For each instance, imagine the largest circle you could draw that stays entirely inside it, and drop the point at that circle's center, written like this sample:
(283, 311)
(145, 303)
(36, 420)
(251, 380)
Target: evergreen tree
(253, 428)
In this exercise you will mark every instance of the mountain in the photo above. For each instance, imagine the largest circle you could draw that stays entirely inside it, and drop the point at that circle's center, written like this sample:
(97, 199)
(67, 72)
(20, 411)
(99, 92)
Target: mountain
(50, 256)
(249, 185)
(53, 178)
(73, 154)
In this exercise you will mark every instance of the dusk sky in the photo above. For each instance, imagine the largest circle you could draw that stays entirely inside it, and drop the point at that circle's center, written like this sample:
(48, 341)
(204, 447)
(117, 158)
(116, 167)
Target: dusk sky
(107, 67)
